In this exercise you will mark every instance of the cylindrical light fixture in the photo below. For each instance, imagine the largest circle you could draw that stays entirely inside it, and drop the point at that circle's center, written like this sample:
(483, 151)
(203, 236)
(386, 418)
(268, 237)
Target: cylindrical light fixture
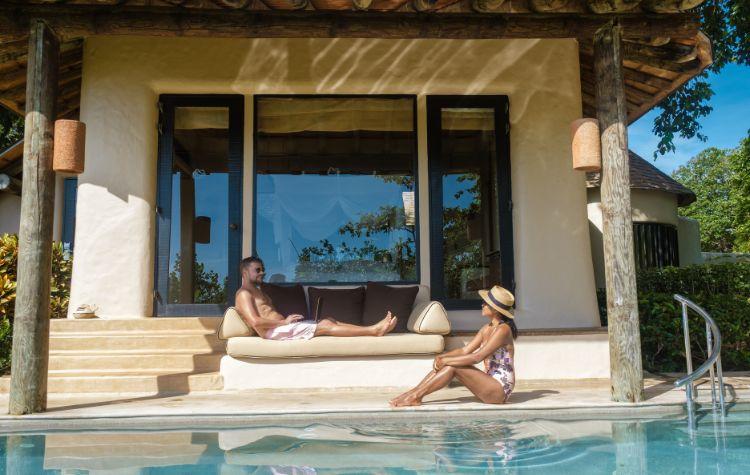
(70, 142)
(587, 146)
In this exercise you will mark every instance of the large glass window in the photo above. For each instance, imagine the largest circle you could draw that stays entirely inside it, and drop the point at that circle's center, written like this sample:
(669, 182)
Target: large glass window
(335, 188)
(470, 197)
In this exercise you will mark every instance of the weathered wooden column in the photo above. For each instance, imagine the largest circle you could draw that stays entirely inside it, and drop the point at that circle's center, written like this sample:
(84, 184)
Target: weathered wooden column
(28, 384)
(619, 262)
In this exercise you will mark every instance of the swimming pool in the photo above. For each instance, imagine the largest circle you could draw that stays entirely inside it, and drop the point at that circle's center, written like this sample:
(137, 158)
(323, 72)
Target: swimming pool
(403, 446)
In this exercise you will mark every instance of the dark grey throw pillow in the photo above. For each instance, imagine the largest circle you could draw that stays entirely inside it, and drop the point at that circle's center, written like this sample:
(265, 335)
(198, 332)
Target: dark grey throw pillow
(380, 299)
(344, 305)
(287, 299)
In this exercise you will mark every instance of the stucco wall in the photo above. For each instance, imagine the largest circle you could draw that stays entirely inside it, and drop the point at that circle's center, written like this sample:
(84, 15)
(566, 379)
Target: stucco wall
(122, 78)
(650, 206)
(10, 211)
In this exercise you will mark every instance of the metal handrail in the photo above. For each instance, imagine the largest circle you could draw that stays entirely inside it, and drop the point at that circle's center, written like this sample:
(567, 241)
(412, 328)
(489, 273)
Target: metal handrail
(713, 339)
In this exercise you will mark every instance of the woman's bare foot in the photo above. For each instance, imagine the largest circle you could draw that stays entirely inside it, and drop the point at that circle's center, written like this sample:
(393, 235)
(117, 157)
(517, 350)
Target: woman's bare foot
(408, 400)
(401, 396)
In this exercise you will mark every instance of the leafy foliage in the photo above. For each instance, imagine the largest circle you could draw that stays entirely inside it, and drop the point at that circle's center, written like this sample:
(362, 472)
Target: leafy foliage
(11, 128)
(723, 290)
(206, 285)
(727, 24)
(720, 179)
(62, 262)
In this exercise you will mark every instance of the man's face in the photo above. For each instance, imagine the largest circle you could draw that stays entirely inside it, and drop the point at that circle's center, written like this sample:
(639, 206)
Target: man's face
(255, 273)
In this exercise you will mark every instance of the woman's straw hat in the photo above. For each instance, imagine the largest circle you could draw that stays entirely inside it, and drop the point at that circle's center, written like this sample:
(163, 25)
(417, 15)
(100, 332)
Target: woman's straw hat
(500, 299)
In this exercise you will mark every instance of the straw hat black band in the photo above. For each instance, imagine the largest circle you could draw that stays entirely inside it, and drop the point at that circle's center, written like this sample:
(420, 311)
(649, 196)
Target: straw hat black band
(497, 302)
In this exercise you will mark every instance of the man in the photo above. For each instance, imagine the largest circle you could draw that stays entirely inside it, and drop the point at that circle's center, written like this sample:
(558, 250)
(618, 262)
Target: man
(258, 311)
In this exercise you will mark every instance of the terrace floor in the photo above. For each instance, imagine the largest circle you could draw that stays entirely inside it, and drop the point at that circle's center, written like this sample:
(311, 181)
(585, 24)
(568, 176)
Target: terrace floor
(227, 409)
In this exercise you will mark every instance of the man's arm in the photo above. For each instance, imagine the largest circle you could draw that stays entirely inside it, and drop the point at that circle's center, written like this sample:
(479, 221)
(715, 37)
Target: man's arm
(245, 305)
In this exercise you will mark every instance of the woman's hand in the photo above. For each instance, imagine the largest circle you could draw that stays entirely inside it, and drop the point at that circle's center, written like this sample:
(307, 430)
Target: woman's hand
(293, 319)
(438, 364)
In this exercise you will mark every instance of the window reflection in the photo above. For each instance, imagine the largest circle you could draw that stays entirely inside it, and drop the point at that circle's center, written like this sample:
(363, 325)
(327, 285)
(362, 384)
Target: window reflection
(335, 189)
(471, 235)
(198, 260)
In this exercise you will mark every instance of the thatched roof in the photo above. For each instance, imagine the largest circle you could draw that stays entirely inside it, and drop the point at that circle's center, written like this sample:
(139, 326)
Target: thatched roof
(645, 176)
(654, 65)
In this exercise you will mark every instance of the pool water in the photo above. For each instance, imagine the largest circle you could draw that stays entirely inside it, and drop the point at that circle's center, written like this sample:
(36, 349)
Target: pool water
(449, 445)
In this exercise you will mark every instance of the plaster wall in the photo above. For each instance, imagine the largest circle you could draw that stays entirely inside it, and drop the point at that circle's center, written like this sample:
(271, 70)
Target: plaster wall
(10, 211)
(122, 78)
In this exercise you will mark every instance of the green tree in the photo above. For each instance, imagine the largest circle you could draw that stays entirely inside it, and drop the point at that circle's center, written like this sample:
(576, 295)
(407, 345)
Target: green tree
(207, 286)
(727, 24)
(11, 128)
(720, 179)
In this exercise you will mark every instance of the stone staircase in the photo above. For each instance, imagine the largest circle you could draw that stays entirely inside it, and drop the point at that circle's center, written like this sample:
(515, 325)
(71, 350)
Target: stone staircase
(144, 356)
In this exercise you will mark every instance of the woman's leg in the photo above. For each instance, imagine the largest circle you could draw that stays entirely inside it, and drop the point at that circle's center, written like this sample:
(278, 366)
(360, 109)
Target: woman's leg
(429, 385)
(328, 327)
(484, 386)
(411, 391)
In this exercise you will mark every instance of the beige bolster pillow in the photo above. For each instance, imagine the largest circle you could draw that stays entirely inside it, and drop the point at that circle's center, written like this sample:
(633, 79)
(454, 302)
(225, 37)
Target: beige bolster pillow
(430, 319)
(233, 325)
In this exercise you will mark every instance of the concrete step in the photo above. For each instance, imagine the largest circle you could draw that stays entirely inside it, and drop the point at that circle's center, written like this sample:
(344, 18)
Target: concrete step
(128, 383)
(155, 362)
(135, 341)
(102, 451)
(198, 324)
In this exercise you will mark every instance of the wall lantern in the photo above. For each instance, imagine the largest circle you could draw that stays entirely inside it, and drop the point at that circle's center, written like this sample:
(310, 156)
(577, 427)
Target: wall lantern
(587, 147)
(69, 148)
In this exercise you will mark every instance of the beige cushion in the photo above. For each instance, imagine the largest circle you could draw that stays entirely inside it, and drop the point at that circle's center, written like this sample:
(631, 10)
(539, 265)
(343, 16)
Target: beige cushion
(233, 325)
(429, 318)
(331, 346)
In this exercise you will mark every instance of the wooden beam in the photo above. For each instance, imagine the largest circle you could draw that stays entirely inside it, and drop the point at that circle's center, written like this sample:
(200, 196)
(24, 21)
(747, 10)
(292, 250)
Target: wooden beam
(30, 359)
(75, 21)
(626, 372)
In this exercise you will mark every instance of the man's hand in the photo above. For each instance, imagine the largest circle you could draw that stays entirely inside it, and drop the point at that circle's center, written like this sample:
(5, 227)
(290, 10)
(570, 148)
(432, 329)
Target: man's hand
(293, 319)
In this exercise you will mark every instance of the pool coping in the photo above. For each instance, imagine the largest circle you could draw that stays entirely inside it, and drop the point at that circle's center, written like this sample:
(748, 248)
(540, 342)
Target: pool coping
(56, 422)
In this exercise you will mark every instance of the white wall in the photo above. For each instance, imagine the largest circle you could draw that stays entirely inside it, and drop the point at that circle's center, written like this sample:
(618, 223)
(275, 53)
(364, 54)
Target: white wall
(10, 211)
(122, 78)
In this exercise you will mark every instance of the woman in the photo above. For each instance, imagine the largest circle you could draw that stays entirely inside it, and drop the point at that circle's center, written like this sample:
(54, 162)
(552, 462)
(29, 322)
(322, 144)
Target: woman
(493, 344)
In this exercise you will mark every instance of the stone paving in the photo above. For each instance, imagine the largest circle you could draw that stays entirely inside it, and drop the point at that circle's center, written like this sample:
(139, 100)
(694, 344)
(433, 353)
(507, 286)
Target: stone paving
(548, 400)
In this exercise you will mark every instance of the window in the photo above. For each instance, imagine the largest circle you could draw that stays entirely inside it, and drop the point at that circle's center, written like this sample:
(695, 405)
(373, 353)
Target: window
(655, 245)
(470, 199)
(335, 188)
(70, 194)
(199, 200)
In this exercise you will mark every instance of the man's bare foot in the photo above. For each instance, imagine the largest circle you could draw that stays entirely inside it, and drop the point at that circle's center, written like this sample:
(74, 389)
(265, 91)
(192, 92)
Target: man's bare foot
(409, 400)
(385, 325)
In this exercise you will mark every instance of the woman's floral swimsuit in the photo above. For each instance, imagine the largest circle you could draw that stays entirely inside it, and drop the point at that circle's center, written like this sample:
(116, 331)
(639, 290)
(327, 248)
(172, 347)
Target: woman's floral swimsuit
(500, 367)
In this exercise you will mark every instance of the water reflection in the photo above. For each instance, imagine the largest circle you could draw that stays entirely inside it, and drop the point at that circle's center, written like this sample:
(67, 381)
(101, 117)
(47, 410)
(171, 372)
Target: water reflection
(535, 446)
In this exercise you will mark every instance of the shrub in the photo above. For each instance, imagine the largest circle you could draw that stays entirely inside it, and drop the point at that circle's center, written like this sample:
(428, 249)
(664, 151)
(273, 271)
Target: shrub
(722, 290)
(59, 289)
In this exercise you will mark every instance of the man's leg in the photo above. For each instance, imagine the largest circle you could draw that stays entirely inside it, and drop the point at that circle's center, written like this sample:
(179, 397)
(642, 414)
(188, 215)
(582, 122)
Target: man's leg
(328, 327)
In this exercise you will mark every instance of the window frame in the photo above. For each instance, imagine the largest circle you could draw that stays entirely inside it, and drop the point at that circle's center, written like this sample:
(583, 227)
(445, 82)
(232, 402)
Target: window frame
(500, 104)
(415, 165)
(236, 109)
(70, 199)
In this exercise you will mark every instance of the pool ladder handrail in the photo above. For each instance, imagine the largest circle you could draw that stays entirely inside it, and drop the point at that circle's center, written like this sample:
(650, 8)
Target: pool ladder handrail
(713, 340)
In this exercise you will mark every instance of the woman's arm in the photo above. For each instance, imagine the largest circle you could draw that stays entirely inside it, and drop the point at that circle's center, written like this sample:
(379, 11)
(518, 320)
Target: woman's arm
(467, 349)
(495, 341)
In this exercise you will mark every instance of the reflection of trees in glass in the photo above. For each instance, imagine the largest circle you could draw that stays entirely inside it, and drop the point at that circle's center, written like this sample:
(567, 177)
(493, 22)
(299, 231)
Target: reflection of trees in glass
(461, 250)
(207, 288)
(367, 259)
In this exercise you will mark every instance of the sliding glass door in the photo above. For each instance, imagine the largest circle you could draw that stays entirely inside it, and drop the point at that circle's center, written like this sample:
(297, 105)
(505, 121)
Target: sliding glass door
(199, 229)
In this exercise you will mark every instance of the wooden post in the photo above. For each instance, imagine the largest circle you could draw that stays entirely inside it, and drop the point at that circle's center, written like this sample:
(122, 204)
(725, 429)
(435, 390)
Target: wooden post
(619, 264)
(28, 385)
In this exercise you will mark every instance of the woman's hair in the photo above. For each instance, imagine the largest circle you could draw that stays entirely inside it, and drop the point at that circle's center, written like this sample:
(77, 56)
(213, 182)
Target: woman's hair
(511, 324)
